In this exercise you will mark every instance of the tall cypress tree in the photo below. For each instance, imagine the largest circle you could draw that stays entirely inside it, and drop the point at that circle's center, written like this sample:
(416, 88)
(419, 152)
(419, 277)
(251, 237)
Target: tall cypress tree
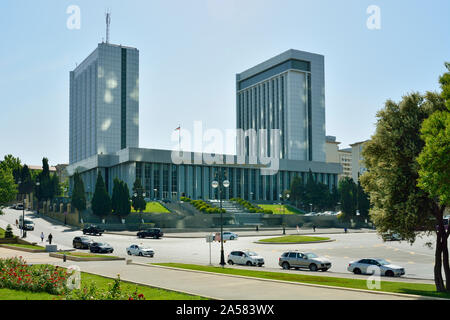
(78, 194)
(101, 202)
(138, 200)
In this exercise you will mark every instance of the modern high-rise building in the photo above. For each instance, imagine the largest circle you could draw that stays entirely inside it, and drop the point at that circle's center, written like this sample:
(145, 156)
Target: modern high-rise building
(104, 102)
(286, 92)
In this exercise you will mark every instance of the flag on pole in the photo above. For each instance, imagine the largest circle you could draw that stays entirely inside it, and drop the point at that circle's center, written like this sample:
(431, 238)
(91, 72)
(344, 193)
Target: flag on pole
(178, 128)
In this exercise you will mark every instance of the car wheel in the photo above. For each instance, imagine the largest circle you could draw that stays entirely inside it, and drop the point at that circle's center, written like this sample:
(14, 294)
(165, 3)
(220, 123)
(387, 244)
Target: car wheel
(248, 263)
(312, 267)
(84, 232)
(389, 273)
(140, 254)
(286, 266)
(230, 262)
(231, 238)
(356, 271)
(129, 253)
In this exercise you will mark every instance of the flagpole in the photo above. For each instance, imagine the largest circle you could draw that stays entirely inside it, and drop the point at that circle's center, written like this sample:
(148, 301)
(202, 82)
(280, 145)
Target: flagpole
(179, 137)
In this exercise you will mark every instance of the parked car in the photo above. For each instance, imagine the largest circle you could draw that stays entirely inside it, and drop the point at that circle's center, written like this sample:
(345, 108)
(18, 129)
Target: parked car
(28, 225)
(140, 250)
(367, 266)
(154, 233)
(81, 242)
(248, 258)
(19, 206)
(93, 229)
(390, 236)
(311, 214)
(294, 259)
(227, 235)
(100, 247)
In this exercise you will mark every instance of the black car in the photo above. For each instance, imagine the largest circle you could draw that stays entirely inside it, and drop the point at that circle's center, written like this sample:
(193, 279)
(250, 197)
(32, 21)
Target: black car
(99, 247)
(154, 233)
(93, 230)
(82, 242)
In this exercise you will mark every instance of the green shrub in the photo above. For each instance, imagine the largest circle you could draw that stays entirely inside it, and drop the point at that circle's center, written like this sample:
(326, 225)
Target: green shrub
(9, 233)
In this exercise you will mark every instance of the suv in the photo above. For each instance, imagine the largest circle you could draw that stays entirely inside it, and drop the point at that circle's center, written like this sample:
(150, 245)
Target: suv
(28, 225)
(93, 230)
(81, 242)
(297, 260)
(154, 233)
(248, 258)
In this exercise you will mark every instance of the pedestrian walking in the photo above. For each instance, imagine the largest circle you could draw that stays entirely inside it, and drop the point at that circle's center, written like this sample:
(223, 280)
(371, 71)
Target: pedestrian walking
(42, 236)
(298, 229)
(50, 237)
(345, 230)
(17, 223)
(314, 228)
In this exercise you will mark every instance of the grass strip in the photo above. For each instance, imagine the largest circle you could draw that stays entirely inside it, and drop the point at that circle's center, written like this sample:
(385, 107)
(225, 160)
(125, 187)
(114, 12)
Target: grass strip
(100, 282)
(420, 289)
(294, 238)
(26, 246)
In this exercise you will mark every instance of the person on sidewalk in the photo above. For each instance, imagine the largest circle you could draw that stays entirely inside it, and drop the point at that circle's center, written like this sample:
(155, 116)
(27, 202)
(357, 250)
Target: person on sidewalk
(314, 228)
(42, 236)
(50, 237)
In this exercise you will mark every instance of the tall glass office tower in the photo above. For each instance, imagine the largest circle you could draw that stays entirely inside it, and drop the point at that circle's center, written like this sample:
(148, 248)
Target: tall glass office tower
(104, 102)
(286, 92)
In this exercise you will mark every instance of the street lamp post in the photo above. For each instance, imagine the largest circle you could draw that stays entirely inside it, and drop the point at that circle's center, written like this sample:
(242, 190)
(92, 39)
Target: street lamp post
(218, 183)
(23, 213)
(37, 184)
(310, 207)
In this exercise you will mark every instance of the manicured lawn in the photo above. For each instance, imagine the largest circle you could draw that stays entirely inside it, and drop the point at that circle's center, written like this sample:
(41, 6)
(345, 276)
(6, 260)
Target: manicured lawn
(9, 294)
(386, 286)
(27, 246)
(287, 239)
(2, 233)
(102, 283)
(86, 255)
(153, 207)
(283, 209)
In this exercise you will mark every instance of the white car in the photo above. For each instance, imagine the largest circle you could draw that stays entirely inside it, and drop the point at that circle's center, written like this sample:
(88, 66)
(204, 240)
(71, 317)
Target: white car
(248, 258)
(227, 235)
(140, 250)
(370, 266)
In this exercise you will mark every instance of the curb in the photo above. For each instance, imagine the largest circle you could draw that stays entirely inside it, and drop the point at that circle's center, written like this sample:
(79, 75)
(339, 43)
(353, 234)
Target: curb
(403, 295)
(305, 242)
(22, 249)
(69, 257)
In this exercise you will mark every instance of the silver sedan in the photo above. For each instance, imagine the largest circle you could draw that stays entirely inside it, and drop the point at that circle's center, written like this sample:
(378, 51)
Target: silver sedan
(371, 266)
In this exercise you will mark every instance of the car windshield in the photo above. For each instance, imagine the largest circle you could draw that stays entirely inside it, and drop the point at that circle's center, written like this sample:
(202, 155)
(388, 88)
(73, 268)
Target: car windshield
(102, 244)
(251, 253)
(85, 238)
(382, 262)
(311, 255)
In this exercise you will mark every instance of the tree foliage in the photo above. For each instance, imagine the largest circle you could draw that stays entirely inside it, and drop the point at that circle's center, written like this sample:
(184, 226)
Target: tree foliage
(398, 205)
(101, 201)
(434, 160)
(8, 187)
(138, 201)
(120, 200)
(78, 194)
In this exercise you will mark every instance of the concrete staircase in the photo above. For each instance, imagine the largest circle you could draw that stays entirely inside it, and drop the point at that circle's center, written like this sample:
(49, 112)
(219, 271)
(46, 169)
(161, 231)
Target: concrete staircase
(229, 206)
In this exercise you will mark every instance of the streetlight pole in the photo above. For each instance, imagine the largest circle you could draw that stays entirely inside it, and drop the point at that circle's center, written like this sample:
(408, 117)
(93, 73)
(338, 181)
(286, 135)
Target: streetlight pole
(219, 184)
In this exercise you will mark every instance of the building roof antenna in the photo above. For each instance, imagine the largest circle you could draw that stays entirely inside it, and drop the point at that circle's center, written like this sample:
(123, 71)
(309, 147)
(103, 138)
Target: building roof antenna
(108, 24)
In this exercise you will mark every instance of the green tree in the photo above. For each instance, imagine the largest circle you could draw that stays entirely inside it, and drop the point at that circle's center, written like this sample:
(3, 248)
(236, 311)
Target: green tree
(434, 160)
(115, 198)
(78, 194)
(120, 201)
(26, 186)
(398, 205)
(14, 164)
(297, 191)
(101, 202)
(347, 191)
(138, 201)
(8, 187)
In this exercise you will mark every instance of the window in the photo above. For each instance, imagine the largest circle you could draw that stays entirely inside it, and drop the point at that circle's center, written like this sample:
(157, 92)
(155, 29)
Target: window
(292, 255)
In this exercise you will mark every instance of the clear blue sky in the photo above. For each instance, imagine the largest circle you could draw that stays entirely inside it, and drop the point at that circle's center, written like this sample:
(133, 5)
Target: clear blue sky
(190, 51)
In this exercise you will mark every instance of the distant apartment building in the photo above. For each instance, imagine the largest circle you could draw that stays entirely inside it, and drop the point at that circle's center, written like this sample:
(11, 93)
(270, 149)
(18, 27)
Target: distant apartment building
(358, 167)
(341, 156)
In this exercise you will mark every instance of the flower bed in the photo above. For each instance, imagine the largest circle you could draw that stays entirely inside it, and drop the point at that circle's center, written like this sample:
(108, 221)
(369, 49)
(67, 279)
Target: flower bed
(16, 274)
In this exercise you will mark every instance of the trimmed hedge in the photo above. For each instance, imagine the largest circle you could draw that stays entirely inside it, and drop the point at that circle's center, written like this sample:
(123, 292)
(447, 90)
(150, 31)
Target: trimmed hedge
(202, 206)
(250, 207)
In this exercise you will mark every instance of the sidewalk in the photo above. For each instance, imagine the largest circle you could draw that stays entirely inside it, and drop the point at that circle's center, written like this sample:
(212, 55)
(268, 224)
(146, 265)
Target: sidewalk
(249, 233)
(214, 286)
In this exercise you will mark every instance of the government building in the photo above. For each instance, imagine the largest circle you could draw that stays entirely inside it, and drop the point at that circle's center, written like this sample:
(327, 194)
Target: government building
(280, 122)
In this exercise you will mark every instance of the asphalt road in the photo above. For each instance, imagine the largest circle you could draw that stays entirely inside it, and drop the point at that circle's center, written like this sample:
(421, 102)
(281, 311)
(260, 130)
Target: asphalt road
(418, 259)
